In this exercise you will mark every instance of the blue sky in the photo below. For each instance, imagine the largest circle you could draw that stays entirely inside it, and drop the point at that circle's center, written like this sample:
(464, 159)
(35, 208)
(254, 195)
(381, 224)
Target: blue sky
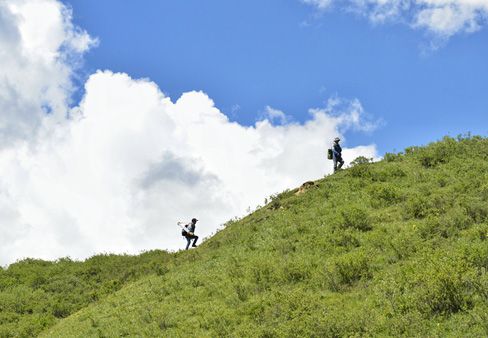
(294, 56)
(120, 118)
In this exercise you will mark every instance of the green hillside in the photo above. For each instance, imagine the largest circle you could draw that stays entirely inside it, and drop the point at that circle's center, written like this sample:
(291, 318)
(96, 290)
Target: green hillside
(393, 248)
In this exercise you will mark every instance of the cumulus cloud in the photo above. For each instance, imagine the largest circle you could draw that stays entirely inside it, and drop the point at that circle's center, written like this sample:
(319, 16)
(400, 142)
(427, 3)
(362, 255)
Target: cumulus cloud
(440, 18)
(129, 163)
(36, 39)
(117, 172)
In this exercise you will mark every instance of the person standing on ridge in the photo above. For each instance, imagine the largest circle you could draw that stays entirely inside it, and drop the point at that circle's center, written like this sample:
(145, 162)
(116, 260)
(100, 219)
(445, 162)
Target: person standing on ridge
(337, 154)
(189, 233)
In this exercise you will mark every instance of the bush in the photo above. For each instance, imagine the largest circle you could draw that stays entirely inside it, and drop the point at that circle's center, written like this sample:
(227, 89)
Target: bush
(444, 290)
(439, 152)
(388, 173)
(384, 195)
(445, 226)
(33, 292)
(296, 270)
(392, 157)
(276, 200)
(354, 217)
(361, 160)
(345, 238)
(352, 267)
(435, 285)
(404, 245)
(477, 210)
(360, 170)
(417, 206)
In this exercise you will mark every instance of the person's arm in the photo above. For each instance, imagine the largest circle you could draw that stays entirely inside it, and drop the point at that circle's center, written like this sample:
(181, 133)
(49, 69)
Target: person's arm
(334, 151)
(185, 228)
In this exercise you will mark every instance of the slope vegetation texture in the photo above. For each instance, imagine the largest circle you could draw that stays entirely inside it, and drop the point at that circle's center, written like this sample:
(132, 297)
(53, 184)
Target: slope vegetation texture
(393, 248)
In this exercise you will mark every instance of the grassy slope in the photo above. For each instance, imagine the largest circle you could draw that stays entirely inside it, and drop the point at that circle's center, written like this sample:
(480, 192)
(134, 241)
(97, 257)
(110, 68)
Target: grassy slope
(35, 294)
(392, 248)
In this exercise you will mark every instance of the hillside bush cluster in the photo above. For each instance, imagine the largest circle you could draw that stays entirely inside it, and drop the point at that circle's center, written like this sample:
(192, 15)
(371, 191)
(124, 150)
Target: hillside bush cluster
(35, 294)
(387, 249)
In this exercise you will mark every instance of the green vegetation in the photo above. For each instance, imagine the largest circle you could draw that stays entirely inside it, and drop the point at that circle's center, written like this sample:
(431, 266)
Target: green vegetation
(35, 294)
(393, 248)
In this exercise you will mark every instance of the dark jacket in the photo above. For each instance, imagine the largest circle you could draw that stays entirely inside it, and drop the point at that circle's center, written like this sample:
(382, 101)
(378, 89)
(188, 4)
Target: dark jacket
(190, 228)
(336, 150)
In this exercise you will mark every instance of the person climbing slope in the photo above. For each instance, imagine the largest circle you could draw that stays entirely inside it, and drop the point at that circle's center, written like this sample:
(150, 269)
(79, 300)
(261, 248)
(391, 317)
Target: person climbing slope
(337, 154)
(189, 233)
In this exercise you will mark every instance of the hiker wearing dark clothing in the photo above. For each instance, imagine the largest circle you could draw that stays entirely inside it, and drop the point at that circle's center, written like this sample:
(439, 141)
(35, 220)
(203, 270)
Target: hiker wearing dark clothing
(190, 233)
(337, 154)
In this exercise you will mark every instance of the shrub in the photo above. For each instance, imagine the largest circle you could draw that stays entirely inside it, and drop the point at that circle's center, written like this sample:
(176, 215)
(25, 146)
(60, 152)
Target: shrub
(354, 217)
(62, 309)
(484, 192)
(263, 272)
(346, 238)
(444, 290)
(352, 267)
(361, 160)
(445, 226)
(360, 170)
(392, 157)
(389, 173)
(383, 195)
(476, 209)
(404, 245)
(481, 284)
(296, 271)
(478, 233)
(438, 284)
(475, 250)
(417, 207)
(276, 200)
(435, 153)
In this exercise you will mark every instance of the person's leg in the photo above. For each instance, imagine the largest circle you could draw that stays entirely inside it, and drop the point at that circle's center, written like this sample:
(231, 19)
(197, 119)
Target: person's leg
(335, 163)
(195, 241)
(341, 162)
(188, 239)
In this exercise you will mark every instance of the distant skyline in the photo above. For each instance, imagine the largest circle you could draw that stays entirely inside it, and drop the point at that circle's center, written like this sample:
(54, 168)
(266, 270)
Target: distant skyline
(119, 119)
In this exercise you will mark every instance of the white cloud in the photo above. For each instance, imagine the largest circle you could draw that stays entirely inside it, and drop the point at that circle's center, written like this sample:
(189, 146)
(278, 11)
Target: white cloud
(446, 18)
(36, 40)
(350, 115)
(273, 115)
(441, 18)
(319, 3)
(129, 162)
